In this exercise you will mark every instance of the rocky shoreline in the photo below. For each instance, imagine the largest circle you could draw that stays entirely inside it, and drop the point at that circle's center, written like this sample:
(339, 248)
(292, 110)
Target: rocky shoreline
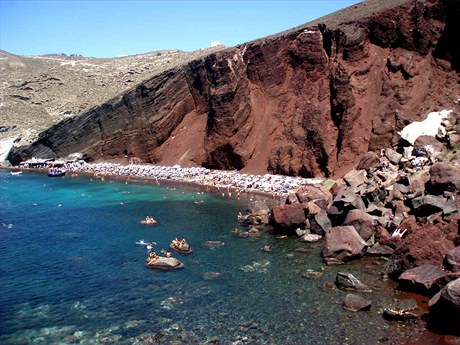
(401, 206)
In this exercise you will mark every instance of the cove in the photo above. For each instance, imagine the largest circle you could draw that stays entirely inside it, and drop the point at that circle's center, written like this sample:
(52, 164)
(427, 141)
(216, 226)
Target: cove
(72, 273)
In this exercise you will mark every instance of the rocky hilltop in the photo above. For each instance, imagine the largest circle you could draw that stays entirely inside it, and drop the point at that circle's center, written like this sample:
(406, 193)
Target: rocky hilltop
(40, 91)
(308, 102)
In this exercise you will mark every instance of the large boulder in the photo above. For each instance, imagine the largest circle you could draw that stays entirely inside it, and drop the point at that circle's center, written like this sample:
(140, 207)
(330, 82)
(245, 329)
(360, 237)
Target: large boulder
(288, 218)
(343, 243)
(362, 222)
(393, 156)
(355, 177)
(316, 193)
(257, 214)
(444, 309)
(429, 204)
(445, 176)
(420, 279)
(320, 223)
(257, 206)
(432, 143)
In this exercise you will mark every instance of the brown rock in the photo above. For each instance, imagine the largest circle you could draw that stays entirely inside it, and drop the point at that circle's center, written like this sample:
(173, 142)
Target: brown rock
(427, 244)
(356, 303)
(369, 160)
(452, 259)
(446, 303)
(425, 140)
(343, 243)
(381, 233)
(420, 279)
(314, 193)
(287, 218)
(445, 174)
(362, 222)
(409, 224)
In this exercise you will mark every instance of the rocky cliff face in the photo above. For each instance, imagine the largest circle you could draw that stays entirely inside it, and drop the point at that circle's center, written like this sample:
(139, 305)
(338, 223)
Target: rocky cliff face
(306, 102)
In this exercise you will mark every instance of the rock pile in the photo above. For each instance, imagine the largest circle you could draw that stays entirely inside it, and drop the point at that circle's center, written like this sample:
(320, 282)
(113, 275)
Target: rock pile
(402, 204)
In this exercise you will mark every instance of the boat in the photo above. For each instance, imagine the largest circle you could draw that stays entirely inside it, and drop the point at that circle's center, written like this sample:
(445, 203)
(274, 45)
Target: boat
(16, 173)
(55, 172)
(148, 221)
(185, 249)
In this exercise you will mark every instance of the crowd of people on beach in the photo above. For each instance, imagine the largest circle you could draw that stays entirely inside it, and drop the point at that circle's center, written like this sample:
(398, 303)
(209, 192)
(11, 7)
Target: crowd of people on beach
(229, 180)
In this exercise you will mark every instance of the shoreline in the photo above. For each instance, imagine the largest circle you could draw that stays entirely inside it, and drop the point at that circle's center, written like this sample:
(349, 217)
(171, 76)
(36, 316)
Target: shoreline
(231, 184)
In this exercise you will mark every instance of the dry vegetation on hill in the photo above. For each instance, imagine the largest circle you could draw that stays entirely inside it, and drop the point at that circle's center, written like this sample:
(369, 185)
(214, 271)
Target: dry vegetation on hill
(39, 91)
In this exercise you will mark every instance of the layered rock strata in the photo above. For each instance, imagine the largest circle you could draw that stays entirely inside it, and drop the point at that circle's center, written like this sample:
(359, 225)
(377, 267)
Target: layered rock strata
(306, 102)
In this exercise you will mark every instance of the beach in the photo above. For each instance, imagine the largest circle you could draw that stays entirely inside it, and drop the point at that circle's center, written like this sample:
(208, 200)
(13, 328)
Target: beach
(230, 183)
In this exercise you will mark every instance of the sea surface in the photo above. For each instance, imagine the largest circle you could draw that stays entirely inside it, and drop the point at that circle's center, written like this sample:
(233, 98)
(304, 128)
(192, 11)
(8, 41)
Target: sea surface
(72, 271)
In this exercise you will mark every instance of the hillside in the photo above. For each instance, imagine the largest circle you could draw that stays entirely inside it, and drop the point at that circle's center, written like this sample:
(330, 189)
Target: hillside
(309, 101)
(39, 91)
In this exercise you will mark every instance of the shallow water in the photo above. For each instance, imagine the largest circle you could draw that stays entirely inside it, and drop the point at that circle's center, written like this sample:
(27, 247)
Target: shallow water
(71, 272)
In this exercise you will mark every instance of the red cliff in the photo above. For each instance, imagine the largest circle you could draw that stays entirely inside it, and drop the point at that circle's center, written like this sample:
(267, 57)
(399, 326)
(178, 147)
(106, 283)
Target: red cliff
(306, 102)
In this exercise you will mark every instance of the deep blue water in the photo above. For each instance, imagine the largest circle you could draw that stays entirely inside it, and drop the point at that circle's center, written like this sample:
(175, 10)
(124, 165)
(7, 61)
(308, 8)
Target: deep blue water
(71, 272)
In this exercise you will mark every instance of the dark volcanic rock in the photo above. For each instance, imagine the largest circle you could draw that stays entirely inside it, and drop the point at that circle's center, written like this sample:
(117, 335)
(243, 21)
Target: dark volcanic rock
(446, 302)
(380, 250)
(247, 108)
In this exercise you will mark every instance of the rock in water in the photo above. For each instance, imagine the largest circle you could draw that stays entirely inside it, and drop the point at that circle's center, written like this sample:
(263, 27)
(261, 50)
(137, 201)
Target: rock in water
(401, 310)
(356, 303)
(348, 281)
(164, 263)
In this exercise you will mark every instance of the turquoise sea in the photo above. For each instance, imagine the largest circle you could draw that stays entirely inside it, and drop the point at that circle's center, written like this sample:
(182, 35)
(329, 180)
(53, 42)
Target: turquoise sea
(71, 272)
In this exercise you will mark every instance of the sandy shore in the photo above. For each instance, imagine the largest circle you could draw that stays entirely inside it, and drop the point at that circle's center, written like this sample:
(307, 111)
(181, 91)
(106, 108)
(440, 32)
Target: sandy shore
(230, 183)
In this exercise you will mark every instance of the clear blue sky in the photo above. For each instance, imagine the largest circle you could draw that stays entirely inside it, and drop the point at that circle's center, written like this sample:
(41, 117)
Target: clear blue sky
(109, 28)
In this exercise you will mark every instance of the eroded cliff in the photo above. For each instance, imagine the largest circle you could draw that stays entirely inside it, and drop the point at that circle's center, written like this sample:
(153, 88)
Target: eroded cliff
(306, 102)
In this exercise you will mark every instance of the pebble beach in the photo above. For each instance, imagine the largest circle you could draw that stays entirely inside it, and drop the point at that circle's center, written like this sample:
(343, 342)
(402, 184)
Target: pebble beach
(226, 180)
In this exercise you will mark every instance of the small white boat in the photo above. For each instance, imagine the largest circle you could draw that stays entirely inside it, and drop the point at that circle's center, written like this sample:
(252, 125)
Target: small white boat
(54, 172)
(16, 173)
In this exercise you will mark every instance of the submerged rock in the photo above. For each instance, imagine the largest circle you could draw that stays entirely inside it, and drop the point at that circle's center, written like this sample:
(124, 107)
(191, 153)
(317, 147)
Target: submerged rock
(356, 303)
(212, 244)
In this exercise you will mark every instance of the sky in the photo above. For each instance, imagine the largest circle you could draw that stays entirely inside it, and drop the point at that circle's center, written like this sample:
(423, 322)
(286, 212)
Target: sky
(107, 28)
